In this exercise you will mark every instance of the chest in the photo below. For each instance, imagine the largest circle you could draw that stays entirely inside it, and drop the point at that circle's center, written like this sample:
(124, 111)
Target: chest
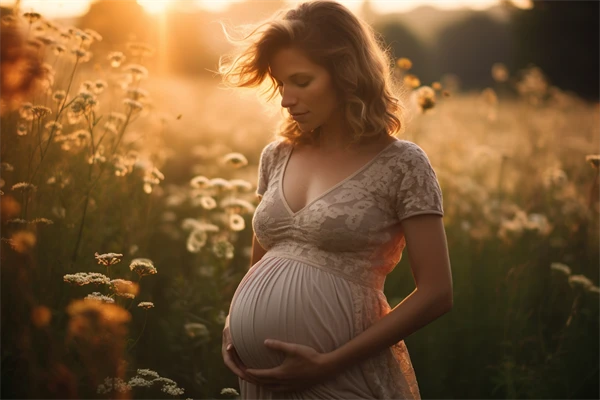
(308, 176)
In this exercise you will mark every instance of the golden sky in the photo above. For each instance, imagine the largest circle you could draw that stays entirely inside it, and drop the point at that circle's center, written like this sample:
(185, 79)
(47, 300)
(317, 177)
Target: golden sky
(66, 8)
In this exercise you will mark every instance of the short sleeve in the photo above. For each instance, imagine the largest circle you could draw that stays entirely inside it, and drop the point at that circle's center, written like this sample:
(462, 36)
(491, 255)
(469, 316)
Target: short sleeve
(417, 190)
(264, 167)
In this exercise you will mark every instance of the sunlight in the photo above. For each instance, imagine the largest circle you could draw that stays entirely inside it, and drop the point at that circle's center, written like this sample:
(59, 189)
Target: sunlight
(154, 6)
(524, 4)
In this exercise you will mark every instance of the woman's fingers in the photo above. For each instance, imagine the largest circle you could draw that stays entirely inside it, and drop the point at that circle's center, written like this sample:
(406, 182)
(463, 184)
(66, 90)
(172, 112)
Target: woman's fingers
(239, 367)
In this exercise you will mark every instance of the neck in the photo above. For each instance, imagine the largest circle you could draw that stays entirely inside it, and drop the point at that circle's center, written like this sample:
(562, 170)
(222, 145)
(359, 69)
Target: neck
(334, 135)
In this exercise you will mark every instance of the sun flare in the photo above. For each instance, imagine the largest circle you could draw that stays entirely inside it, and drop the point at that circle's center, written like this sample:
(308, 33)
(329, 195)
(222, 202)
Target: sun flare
(154, 6)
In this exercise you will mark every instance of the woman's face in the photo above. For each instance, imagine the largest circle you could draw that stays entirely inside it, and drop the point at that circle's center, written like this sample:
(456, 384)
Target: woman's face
(306, 89)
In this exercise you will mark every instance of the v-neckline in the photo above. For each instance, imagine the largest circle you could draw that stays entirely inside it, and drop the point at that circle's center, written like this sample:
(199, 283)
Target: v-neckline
(359, 170)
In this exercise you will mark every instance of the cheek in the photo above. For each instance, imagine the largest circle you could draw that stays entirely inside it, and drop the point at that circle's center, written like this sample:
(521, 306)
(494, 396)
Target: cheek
(323, 99)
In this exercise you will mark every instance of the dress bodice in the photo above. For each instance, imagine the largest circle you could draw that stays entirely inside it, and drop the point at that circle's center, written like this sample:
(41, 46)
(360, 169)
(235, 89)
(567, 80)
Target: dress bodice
(353, 229)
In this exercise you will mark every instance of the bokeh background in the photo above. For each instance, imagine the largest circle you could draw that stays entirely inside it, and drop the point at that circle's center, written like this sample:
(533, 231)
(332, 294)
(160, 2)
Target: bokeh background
(128, 176)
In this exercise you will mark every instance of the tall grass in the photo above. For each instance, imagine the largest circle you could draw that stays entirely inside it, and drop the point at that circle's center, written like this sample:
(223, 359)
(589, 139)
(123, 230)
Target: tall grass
(125, 228)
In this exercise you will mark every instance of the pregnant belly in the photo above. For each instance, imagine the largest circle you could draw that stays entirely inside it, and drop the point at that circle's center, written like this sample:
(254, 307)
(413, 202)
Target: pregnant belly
(290, 301)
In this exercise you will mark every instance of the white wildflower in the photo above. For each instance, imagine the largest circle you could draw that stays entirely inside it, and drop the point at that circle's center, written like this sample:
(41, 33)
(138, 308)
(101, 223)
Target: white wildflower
(200, 182)
(206, 202)
(240, 184)
(22, 129)
(26, 111)
(116, 58)
(59, 49)
(196, 240)
(560, 268)
(142, 266)
(82, 55)
(173, 390)
(425, 98)
(42, 220)
(137, 71)
(111, 384)
(133, 105)
(194, 224)
(84, 278)
(221, 183)
(223, 249)
(108, 258)
(7, 167)
(139, 382)
(148, 373)
(594, 289)
(235, 160)
(59, 96)
(238, 205)
(59, 212)
(146, 305)
(539, 222)
(236, 222)
(99, 86)
(580, 281)
(124, 288)
(137, 93)
(24, 187)
(97, 296)
(229, 392)
(40, 111)
(53, 126)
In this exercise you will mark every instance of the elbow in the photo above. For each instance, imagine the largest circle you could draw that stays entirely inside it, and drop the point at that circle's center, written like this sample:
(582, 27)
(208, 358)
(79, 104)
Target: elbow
(442, 301)
(447, 301)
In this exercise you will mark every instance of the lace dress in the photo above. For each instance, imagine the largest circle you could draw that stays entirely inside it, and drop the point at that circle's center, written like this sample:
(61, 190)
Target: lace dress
(321, 281)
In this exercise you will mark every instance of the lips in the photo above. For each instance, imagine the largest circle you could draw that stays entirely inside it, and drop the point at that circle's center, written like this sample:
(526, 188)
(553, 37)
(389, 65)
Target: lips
(299, 117)
(298, 114)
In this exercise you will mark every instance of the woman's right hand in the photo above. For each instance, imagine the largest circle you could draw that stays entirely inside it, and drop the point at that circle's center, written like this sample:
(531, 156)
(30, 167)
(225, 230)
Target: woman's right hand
(231, 357)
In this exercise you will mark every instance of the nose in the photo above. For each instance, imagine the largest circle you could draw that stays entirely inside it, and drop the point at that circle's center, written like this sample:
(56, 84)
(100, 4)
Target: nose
(288, 98)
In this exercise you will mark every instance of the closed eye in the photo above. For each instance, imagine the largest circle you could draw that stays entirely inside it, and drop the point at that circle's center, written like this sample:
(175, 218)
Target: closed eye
(302, 84)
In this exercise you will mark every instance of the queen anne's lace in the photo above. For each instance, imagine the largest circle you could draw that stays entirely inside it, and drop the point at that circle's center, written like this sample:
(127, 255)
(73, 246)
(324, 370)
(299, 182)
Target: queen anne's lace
(353, 230)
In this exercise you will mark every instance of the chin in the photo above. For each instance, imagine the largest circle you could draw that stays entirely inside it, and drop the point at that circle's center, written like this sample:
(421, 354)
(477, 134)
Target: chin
(305, 127)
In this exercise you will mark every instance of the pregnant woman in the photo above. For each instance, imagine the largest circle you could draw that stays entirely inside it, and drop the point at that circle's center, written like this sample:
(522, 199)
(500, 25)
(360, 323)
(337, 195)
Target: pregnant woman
(340, 199)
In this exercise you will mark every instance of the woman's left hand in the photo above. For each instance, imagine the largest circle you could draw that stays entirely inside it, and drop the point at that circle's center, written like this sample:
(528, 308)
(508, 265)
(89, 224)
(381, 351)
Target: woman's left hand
(303, 367)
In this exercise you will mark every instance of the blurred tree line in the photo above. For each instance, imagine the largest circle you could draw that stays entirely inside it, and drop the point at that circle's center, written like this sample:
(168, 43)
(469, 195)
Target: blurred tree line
(563, 38)
(560, 37)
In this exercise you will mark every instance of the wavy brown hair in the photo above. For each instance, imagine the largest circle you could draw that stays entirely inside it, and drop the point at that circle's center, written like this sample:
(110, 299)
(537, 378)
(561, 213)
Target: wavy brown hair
(331, 36)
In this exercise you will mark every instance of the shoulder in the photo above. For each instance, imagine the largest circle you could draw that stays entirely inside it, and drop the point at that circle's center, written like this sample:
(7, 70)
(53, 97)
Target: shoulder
(408, 148)
(274, 148)
(409, 152)
(271, 153)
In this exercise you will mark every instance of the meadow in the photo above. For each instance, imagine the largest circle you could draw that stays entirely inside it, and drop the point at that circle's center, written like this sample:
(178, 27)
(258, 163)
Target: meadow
(127, 202)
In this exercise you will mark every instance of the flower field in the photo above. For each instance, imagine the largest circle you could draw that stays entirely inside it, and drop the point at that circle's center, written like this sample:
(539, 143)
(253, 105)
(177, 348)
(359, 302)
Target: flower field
(126, 211)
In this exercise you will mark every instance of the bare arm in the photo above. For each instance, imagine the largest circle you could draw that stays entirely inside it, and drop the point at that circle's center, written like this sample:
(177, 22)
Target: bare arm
(430, 264)
(257, 253)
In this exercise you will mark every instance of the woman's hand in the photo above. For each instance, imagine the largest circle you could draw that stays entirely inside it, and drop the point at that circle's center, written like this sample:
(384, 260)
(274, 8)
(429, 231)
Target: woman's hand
(303, 367)
(232, 359)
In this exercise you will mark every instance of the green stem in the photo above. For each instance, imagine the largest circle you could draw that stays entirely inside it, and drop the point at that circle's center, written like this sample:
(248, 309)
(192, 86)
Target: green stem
(80, 234)
(144, 327)
(43, 154)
